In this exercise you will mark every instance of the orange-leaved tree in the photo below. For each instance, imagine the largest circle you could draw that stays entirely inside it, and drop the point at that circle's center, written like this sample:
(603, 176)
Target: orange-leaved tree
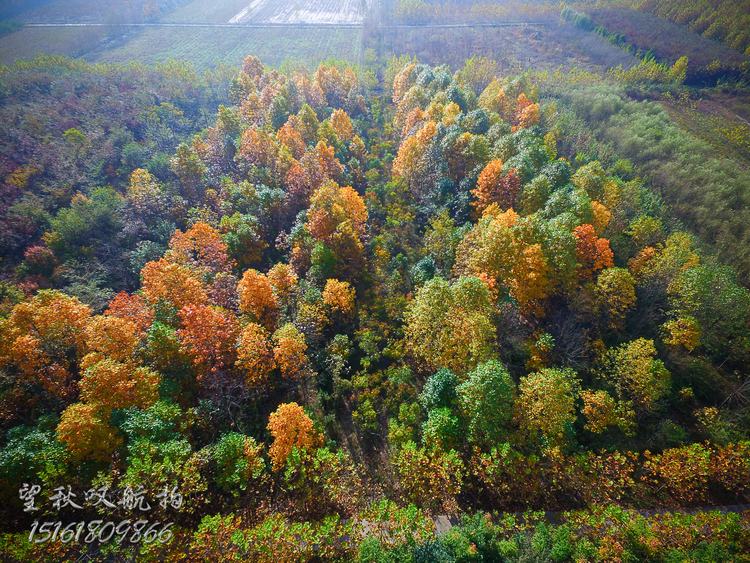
(328, 161)
(342, 125)
(289, 351)
(527, 112)
(291, 138)
(257, 148)
(335, 210)
(255, 355)
(201, 249)
(411, 160)
(132, 308)
(495, 187)
(110, 384)
(502, 246)
(290, 428)
(303, 178)
(337, 218)
(111, 337)
(208, 336)
(40, 342)
(85, 434)
(258, 299)
(283, 279)
(339, 297)
(166, 283)
(594, 253)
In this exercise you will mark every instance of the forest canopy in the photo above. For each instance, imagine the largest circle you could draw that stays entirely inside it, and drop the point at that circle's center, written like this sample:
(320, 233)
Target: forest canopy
(298, 300)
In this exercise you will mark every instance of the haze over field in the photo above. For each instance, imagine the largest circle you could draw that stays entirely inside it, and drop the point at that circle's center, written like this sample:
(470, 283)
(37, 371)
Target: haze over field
(198, 11)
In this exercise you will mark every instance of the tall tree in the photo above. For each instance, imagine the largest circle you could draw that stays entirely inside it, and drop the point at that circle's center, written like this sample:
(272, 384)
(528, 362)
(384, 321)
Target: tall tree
(290, 428)
(636, 374)
(487, 398)
(258, 299)
(495, 187)
(449, 326)
(255, 355)
(209, 337)
(546, 404)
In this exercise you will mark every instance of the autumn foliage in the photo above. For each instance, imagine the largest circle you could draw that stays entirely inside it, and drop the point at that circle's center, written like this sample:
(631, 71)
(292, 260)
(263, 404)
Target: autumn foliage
(339, 296)
(336, 212)
(449, 325)
(85, 434)
(41, 340)
(132, 308)
(113, 337)
(289, 351)
(283, 279)
(208, 336)
(167, 283)
(496, 187)
(290, 428)
(594, 253)
(433, 301)
(201, 249)
(257, 298)
(496, 246)
(115, 385)
(255, 355)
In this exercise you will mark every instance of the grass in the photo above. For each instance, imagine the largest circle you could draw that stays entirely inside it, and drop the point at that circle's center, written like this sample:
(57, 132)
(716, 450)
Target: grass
(203, 47)
(718, 119)
(540, 47)
(668, 41)
(706, 185)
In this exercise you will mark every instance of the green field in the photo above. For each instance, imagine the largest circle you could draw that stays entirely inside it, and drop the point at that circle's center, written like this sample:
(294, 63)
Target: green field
(203, 47)
(70, 41)
(219, 11)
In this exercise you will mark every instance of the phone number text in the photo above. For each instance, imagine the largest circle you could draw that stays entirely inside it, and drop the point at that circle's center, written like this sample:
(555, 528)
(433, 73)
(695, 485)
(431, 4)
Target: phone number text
(101, 531)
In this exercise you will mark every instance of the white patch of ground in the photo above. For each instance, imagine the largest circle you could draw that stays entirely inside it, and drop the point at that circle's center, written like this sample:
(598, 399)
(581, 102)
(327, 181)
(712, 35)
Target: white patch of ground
(302, 11)
(247, 12)
(305, 16)
(238, 17)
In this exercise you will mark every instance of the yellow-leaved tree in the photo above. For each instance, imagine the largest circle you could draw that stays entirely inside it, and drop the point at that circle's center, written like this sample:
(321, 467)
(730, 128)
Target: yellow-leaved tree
(546, 405)
(502, 247)
(257, 298)
(290, 428)
(449, 326)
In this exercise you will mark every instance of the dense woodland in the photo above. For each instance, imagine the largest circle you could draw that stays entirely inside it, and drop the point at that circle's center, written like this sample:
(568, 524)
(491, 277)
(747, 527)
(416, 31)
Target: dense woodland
(328, 305)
